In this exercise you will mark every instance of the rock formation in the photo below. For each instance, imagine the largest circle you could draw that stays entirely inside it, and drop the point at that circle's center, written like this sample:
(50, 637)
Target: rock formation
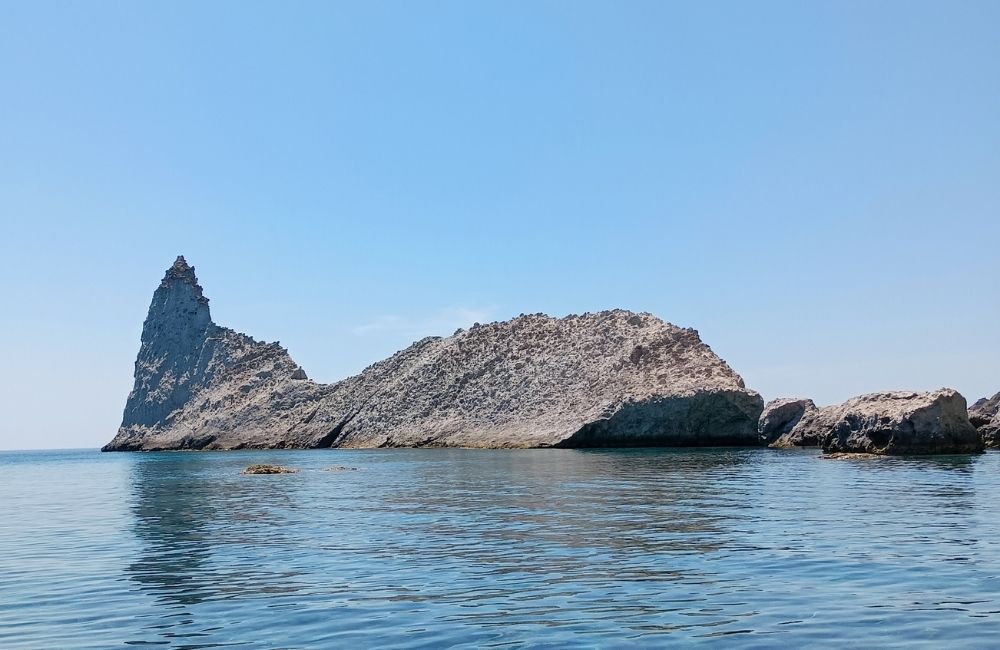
(809, 430)
(612, 378)
(990, 433)
(902, 423)
(985, 416)
(984, 410)
(780, 417)
(898, 422)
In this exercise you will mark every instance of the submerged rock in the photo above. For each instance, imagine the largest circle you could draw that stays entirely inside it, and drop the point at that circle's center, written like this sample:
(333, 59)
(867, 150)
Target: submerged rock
(612, 378)
(269, 469)
(340, 468)
(903, 423)
(780, 416)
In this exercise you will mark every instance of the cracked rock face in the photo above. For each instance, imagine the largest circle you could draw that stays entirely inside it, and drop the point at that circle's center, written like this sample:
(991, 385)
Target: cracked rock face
(612, 378)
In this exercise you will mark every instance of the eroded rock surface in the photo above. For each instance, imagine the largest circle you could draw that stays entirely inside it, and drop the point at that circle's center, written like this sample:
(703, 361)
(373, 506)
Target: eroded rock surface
(612, 378)
(780, 416)
(990, 433)
(985, 416)
(984, 410)
(810, 430)
(903, 422)
(899, 422)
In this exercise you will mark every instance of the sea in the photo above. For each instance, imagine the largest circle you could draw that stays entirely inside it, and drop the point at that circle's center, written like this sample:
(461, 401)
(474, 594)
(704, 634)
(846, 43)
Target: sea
(438, 548)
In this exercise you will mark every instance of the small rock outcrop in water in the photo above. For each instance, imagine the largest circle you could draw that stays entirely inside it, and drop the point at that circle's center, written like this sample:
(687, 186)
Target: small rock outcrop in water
(269, 469)
(897, 422)
(985, 416)
(903, 423)
(611, 378)
(780, 416)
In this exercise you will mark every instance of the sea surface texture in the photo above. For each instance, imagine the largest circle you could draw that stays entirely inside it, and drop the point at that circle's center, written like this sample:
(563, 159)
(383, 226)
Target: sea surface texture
(434, 548)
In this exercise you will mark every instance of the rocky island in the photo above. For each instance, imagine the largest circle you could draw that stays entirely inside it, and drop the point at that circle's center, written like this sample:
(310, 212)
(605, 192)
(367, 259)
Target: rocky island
(607, 379)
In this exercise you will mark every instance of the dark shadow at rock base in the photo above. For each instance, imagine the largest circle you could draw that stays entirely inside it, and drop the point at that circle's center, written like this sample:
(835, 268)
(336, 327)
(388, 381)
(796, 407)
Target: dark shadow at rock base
(703, 420)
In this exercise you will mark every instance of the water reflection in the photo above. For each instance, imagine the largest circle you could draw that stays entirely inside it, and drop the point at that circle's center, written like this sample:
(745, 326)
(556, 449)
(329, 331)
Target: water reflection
(560, 547)
(527, 535)
(201, 529)
(578, 498)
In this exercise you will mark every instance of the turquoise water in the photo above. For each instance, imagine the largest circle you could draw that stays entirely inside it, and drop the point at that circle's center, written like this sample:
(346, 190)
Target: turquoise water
(433, 548)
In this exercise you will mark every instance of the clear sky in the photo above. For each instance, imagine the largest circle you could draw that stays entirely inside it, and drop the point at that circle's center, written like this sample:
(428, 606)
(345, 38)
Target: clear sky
(814, 186)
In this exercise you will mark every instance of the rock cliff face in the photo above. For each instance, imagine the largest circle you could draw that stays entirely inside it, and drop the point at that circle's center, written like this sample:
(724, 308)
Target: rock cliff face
(612, 378)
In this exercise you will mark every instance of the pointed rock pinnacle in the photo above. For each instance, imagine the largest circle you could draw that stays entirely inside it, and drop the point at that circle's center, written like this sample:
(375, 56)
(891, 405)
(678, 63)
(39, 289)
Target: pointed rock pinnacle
(181, 271)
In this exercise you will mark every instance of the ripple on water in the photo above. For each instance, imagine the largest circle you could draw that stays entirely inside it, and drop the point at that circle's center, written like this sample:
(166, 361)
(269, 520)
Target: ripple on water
(430, 548)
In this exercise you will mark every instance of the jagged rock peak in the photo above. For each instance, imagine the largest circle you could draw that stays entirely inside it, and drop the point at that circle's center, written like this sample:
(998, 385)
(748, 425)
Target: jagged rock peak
(181, 269)
(182, 272)
(178, 303)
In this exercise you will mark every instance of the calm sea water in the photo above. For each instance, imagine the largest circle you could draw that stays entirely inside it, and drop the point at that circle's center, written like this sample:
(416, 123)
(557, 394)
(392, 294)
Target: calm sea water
(433, 548)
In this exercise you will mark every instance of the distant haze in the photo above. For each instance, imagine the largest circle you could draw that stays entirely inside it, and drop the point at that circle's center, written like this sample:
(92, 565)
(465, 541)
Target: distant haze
(815, 186)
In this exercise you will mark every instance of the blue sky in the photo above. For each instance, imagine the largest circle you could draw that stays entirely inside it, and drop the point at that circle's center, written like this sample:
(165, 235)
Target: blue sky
(814, 186)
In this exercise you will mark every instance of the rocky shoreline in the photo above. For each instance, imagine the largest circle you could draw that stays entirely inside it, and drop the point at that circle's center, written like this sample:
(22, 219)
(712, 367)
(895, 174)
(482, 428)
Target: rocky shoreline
(607, 379)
